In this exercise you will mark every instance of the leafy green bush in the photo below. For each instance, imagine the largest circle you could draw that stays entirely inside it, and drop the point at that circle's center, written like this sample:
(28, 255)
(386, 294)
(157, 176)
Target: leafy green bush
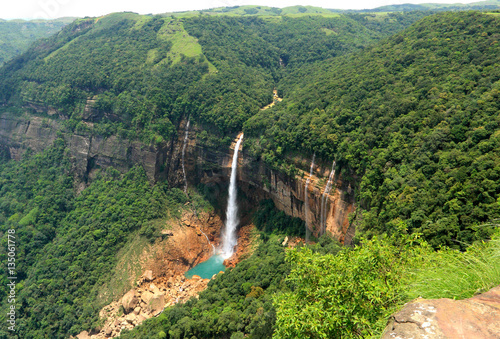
(347, 295)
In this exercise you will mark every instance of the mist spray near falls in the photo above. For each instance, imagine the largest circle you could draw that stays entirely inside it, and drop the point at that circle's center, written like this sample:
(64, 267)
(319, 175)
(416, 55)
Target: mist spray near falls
(229, 239)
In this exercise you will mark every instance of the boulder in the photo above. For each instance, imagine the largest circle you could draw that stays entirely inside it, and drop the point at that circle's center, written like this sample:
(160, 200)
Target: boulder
(146, 296)
(154, 289)
(140, 318)
(148, 275)
(83, 335)
(477, 317)
(156, 304)
(107, 331)
(131, 318)
(129, 301)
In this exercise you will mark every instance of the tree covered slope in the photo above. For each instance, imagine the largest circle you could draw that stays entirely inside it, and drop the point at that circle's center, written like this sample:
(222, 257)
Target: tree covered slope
(415, 117)
(144, 72)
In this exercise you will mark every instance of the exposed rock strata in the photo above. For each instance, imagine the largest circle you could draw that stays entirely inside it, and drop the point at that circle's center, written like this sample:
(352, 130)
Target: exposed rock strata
(257, 182)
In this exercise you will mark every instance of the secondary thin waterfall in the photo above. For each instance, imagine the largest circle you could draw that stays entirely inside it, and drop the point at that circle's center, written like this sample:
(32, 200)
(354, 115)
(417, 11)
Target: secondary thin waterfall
(324, 199)
(229, 238)
(306, 198)
(186, 134)
(206, 236)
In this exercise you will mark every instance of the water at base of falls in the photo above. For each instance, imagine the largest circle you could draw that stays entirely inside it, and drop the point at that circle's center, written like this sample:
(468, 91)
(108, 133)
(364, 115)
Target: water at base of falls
(207, 268)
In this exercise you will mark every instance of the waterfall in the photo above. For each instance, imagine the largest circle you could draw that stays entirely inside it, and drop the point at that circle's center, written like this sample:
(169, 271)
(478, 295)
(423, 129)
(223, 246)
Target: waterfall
(324, 199)
(213, 247)
(229, 238)
(186, 134)
(306, 199)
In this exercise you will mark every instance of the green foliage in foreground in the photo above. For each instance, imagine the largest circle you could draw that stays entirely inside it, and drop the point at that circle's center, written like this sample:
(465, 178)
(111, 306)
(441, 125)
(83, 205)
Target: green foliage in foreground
(352, 294)
(458, 275)
(343, 296)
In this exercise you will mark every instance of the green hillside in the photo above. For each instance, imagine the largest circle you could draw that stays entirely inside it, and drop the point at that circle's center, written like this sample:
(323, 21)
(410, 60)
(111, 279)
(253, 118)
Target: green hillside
(480, 5)
(17, 35)
(145, 73)
(415, 117)
(251, 10)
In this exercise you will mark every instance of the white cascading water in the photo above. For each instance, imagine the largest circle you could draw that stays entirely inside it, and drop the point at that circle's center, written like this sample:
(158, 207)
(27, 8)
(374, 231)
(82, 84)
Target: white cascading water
(306, 198)
(324, 199)
(213, 247)
(183, 154)
(229, 238)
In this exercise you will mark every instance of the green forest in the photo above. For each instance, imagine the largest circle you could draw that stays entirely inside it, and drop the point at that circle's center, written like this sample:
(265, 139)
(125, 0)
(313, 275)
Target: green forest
(405, 101)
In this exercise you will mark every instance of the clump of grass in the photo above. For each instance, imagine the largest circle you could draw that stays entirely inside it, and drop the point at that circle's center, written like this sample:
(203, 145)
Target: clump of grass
(458, 275)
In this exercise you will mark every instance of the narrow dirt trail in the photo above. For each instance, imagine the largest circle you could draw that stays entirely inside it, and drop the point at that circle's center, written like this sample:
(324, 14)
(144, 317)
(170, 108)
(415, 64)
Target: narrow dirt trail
(276, 99)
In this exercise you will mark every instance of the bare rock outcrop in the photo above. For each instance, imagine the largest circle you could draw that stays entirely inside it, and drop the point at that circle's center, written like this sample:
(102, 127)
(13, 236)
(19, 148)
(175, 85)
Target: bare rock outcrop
(129, 301)
(477, 317)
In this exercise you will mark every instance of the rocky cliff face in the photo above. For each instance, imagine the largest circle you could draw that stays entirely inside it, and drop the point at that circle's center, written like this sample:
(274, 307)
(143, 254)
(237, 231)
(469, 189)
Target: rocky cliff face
(258, 181)
(206, 165)
(19, 133)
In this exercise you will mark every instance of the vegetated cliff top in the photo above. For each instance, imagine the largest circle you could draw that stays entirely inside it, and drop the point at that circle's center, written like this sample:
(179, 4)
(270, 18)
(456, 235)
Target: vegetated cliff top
(148, 72)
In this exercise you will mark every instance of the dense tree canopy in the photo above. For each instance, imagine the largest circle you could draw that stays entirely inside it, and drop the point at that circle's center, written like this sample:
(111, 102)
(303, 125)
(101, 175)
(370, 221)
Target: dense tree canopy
(416, 116)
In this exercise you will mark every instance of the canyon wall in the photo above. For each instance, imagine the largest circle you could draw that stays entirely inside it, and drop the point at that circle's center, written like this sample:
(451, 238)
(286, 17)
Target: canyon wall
(257, 181)
(204, 164)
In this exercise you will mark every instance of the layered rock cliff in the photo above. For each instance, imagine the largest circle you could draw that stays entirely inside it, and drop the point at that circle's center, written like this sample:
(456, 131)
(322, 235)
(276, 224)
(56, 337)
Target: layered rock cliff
(20, 133)
(258, 181)
(204, 164)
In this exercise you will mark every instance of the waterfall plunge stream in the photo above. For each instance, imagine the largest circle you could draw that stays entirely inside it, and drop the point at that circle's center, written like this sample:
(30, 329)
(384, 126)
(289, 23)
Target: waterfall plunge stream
(229, 238)
(186, 134)
(324, 199)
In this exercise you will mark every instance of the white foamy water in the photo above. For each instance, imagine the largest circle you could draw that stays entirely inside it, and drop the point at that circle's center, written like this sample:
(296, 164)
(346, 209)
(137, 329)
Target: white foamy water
(306, 198)
(229, 239)
(186, 134)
